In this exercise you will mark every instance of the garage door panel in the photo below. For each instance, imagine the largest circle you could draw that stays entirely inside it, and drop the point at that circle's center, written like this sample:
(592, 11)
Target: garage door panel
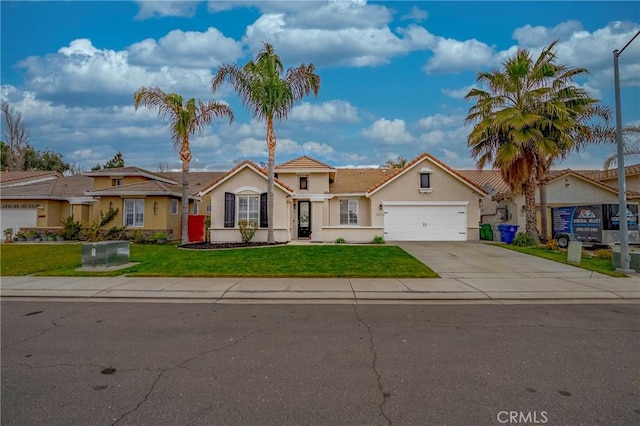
(425, 223)
(18, 218)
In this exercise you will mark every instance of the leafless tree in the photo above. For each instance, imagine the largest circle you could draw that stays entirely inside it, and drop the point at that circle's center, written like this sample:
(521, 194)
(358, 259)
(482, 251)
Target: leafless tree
(15, 136)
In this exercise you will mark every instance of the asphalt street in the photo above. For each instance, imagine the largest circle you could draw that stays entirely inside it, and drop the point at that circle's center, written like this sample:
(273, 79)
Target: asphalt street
(79, 363)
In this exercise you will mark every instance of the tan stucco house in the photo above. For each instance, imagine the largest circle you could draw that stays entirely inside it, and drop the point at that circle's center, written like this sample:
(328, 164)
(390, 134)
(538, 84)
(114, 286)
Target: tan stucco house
(424, 201)
(147, 201)
(565, 188)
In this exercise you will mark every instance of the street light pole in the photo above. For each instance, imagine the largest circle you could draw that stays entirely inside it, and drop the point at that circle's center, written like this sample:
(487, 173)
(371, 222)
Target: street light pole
(625, 257)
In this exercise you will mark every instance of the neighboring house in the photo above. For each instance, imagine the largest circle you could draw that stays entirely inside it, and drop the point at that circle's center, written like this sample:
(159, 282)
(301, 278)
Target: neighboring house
(610, 177)
(424, 201)
(565, 188)
(44, 204)
(147, 201)
(19, 178)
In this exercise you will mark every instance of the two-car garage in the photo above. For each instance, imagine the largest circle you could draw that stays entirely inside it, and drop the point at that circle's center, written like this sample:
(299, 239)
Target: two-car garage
(425, 221)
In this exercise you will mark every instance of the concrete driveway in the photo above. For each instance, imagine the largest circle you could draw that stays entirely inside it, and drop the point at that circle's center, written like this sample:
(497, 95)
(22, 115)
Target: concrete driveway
(473, 259)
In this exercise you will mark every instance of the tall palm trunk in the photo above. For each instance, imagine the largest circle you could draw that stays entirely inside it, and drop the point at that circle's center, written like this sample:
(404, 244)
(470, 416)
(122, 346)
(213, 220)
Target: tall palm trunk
(185, 156)
(544, 217)
(529, 191)
(271, 146)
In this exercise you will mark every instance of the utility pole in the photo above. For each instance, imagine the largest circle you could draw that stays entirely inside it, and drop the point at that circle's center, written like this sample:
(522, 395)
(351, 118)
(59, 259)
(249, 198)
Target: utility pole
(625, 257)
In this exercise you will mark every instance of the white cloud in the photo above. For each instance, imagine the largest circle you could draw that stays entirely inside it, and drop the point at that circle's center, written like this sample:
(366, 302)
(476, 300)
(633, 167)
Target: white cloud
(316, 148)
(330, 111)
(389, 131)
(440, 121)
(416, 14)
(452, 55)
(189, 49)
(530, 36)
(159, 9)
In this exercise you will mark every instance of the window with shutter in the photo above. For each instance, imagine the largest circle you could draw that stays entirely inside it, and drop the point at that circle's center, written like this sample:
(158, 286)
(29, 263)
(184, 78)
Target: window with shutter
(229, 210)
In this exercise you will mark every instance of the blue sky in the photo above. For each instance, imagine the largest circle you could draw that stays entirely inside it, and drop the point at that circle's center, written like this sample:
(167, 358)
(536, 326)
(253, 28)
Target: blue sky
(393, 74)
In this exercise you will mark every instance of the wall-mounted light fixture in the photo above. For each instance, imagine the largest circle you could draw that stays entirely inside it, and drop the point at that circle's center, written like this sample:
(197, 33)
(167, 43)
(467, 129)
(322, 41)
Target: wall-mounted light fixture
(380, 206)
(155, 207)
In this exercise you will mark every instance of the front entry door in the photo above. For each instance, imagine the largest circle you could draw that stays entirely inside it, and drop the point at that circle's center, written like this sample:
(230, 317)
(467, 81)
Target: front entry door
(304, 219)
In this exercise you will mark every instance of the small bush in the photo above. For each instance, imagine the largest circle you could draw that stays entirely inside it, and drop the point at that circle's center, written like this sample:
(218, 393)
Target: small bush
(340, 240)
(136, 236)
(524, 240)
(116, 233)
(71, 228)
(247, 230)
(377, 240)
(92, 231)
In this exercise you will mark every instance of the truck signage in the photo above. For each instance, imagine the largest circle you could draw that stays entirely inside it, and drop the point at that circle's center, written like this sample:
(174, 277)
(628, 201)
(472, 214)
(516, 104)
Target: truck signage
(584, 222)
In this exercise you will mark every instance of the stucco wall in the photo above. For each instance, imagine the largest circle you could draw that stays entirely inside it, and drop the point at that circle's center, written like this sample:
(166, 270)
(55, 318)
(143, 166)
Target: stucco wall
(444, 188)
(247, 181)
(318, 183)
(102, 182)
(352, 234)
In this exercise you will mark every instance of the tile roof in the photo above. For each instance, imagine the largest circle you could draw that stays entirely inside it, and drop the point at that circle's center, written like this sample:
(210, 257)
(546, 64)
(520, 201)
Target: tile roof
(488, 179)
(64, 187)
(148, 187)
(435, 161)
(304, 162)
(611, 173)
(127, 171)
(197, 180)
(26, 175)
(350, 181)
(238, 167)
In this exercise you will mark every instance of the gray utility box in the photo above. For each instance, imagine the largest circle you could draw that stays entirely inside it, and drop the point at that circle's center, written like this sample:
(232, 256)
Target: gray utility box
(105, 253)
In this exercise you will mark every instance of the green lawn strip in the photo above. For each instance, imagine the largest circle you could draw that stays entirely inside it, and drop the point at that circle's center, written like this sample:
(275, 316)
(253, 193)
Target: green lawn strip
(602, 266)
(170, 261)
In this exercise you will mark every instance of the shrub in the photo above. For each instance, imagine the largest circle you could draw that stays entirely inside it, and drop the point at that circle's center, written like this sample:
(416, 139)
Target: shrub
(524, 240)
(340, 240)
(377, 240)
(116, 233)
(71, 228)
(136, 236)
(160, 237)
(92, 231)
(247, 230)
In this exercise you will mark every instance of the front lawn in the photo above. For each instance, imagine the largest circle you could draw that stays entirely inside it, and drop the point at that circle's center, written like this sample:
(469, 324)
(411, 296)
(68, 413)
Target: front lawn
(603, 266)
(169, 261)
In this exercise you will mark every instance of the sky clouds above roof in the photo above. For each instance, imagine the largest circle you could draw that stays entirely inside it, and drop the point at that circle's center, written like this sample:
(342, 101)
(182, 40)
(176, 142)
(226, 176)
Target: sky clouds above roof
(393, 74)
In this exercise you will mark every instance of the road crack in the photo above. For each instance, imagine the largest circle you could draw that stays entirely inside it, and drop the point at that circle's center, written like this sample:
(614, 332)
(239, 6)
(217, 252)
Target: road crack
(374, 366)
(182, 365)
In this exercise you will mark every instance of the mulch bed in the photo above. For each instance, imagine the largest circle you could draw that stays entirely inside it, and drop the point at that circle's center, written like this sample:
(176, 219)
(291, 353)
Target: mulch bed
(214, 246)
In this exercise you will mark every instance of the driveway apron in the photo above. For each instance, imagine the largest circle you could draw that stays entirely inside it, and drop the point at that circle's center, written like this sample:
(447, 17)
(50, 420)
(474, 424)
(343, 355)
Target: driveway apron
(471, 259)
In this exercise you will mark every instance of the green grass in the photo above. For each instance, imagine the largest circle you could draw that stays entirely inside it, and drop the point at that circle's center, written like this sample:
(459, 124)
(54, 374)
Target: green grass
(603, 266)
(169, 261)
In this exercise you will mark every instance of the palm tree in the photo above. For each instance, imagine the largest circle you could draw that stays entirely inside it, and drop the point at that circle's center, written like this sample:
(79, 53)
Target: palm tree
(525, 120)
(268, 93)
(398, 163)
(631, 145)
(186, 119)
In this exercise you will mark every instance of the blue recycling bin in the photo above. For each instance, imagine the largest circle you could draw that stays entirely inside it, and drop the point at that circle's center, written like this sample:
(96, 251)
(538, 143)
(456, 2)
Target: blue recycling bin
(507, 232)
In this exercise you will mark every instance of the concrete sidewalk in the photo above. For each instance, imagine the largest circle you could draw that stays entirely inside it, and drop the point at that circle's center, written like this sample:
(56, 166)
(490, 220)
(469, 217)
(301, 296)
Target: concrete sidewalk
(347, 290)
(469, 271)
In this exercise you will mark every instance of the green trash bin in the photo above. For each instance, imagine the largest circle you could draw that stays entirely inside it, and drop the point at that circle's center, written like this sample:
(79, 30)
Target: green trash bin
(485, 232)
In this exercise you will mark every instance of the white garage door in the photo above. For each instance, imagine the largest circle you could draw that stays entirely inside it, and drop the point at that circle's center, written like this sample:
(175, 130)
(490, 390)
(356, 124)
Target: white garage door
(18, 218)
(425, 221)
